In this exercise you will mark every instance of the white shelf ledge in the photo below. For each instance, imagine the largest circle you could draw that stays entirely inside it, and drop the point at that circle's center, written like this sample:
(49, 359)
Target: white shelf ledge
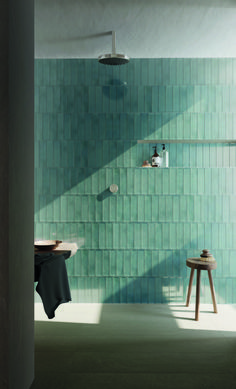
(196, 141)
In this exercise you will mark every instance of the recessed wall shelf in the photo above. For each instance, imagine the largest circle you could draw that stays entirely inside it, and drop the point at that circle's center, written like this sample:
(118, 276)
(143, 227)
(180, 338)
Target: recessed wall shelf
(165, 141)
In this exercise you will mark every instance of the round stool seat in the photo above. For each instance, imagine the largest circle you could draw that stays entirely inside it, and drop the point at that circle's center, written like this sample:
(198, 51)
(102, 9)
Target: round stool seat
(199, 264)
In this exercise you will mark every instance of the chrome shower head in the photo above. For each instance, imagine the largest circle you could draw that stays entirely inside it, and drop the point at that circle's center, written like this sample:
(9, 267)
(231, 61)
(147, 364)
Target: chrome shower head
(113, 59)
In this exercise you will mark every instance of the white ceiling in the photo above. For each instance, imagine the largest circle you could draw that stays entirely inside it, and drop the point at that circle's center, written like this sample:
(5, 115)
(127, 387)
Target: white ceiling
(144, 28)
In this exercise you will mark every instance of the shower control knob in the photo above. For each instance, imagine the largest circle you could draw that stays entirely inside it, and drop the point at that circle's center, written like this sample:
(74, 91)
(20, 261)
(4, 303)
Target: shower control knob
(113, 188)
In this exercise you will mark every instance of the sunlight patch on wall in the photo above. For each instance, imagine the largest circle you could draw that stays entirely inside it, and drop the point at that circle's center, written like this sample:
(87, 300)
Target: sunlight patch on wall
(173, 292)
(71, 313)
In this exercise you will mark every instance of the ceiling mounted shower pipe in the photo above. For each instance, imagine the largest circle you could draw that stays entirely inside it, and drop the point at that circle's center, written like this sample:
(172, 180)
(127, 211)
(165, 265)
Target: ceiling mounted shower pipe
(113, 58)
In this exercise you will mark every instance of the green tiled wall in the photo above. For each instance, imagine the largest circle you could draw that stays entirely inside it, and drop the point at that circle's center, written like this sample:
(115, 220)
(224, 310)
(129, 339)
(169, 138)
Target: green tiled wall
(88, 118)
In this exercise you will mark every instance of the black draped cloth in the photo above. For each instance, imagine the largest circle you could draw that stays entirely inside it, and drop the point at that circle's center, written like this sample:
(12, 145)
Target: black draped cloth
(51, 275)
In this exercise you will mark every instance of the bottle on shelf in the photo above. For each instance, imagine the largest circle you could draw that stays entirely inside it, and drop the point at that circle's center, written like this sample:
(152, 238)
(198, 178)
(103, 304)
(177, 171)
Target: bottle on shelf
(155, 158)
(164, 156)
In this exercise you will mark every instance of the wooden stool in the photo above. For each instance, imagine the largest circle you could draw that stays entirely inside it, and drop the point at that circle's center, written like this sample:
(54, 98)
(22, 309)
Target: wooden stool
(196, 263)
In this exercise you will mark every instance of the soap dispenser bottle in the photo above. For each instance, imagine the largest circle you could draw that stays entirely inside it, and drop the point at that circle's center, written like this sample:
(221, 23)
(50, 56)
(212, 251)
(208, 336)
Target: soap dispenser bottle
(155, 158)
(164, 155)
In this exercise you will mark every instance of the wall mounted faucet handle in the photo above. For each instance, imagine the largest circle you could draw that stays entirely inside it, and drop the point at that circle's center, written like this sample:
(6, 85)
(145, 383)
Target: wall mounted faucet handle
(113, 188)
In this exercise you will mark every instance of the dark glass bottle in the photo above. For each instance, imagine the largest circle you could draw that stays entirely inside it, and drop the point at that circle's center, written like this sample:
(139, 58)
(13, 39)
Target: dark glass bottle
(155, 158)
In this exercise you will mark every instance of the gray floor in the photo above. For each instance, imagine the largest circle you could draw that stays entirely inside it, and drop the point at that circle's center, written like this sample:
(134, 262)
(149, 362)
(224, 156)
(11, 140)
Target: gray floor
(137, 346)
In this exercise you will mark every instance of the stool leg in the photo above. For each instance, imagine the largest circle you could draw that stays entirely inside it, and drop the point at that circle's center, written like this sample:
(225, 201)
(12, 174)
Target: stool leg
(190, 287)
(212, 291)
(198, 294)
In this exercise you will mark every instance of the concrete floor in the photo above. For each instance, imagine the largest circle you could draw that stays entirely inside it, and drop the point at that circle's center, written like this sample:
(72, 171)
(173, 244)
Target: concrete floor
(135, 346)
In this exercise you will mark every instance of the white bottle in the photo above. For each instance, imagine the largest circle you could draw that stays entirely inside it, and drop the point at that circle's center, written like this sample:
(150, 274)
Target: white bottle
(164, 155)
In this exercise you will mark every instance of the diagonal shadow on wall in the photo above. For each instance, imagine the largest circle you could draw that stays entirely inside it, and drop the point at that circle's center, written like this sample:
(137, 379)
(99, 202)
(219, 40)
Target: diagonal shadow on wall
(164, 283)
(72, 145)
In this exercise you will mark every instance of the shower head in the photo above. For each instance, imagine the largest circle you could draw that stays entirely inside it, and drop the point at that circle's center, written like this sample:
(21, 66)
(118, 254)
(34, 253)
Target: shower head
(113, 58)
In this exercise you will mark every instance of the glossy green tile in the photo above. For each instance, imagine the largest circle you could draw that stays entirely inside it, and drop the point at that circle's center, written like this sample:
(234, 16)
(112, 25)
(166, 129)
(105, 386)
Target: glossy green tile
(144, 288)
(132, 257)
(162, 98)
(187, 124)
(176, 208)
(57, 102)
(140, 236)
(171, 73)
(161, 68)
(120, 154)
(98, 263)
(139, 102)
(120, 209)
(123, 290)
(185, 94)
(115, 289)
(194, 71)
(151, 291)
(127, 208)
(162, 209)
(113, 208)
(154, 254)
(232, 263)
(226, 106)
(154, 208)
(60, 65)
(158, 228)
(165, 235)
(133, 101)
(106, 263)
(120, 263)
(176, 264)
(146, 257)
(173, 235)
(232, 208)
(151, 236)
(144, 73)
(155, 98)
(108, 290)
(148, 99)
(45, 72)
(186, 71)
(113, 261)
(208, 71)
(127, 263)
(115, 236)
(176, 99)
(165, 181)
(141, 208)
(147, 208)
(229, 244)
(134, 208)
(150, 70)
(180, 70)
(156, 122)
(137, 181)
(155, 181)
(180, 236)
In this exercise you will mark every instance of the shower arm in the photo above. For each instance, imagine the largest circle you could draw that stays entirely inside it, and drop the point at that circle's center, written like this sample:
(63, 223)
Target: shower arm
(113, 42)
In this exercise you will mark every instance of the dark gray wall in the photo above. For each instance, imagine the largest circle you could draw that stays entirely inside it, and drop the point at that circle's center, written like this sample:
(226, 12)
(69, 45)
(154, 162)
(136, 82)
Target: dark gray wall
(4, 195)
(17, 200)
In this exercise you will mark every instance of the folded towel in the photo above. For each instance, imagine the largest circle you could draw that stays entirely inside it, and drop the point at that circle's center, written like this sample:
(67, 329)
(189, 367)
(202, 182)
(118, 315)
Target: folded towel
(53, 286)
